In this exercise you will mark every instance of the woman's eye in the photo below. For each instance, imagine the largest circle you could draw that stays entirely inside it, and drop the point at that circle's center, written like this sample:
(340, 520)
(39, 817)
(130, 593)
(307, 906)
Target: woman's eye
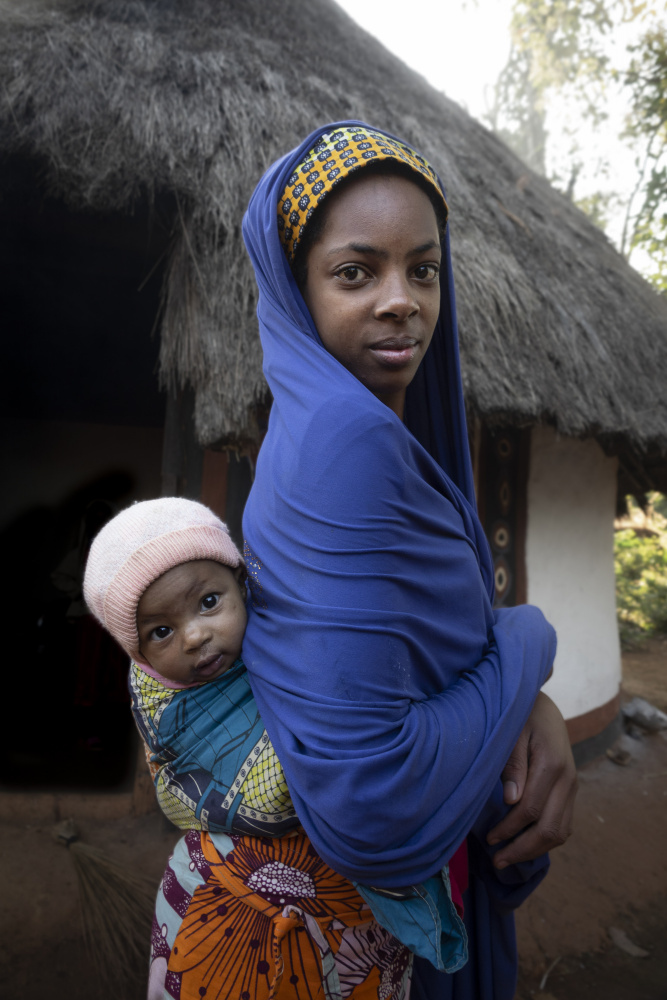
(210, 601)
(352, 273)
(161, 632)
(427, 272)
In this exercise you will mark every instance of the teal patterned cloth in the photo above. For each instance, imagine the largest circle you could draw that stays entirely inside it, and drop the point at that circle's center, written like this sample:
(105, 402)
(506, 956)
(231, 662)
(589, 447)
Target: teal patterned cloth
(210, 756)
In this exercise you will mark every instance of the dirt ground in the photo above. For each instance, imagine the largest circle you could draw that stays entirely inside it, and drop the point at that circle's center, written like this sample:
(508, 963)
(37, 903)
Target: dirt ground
(611, 874)
(645, 673)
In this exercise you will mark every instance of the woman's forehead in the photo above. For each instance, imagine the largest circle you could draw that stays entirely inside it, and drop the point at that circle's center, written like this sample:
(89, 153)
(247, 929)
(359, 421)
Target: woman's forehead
(375, 206)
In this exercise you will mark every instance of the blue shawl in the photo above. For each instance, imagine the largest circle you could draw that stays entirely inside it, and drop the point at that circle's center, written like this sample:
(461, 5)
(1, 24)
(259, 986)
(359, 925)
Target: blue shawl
(392, 691)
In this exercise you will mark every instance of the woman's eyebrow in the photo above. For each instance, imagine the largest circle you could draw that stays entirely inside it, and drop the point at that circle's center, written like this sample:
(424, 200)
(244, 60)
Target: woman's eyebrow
(366, 248)
(429, 245)
(358, 248)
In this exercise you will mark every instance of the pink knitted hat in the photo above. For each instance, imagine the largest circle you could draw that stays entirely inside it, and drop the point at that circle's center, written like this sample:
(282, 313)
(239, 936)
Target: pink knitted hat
(139, 545)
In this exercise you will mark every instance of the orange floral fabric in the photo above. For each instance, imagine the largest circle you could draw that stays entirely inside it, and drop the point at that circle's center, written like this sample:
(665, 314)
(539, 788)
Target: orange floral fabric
(271, 920)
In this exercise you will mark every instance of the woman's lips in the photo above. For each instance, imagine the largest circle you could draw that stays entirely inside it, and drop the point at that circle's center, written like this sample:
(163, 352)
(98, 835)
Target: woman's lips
(395, 353)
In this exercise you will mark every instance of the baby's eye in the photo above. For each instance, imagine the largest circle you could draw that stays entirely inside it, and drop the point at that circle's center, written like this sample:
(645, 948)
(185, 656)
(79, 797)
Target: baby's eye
(210, 601)
(161, 632)
(427, 272)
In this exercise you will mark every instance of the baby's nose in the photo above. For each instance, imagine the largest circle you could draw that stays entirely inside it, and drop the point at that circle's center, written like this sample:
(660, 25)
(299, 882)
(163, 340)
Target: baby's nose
(196, 634)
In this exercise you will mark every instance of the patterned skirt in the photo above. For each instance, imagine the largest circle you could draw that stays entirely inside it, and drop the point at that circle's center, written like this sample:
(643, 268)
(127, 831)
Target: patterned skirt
(251, 918)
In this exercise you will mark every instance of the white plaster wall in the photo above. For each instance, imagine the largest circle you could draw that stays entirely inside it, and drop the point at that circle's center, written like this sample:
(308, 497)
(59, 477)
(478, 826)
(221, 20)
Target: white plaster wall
(570, 566)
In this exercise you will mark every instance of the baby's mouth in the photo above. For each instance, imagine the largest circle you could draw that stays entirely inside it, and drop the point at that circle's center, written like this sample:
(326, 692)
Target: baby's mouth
(210, 665)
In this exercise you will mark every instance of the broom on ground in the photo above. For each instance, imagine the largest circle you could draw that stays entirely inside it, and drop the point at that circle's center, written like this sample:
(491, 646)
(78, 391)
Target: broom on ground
(117, 911)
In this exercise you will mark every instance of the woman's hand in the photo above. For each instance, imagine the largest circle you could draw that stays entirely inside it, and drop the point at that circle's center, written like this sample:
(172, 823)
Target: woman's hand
(540, 779)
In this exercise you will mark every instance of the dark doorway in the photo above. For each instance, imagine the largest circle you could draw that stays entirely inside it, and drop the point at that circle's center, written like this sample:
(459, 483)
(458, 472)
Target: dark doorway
(82, 421)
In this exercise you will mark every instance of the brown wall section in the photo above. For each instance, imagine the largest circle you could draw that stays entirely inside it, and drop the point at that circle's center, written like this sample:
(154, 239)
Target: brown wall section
(583, 727)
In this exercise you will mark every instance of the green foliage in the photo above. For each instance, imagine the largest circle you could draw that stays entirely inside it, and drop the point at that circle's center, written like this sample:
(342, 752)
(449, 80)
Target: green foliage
(518, 113)
(650, 235)
(562, 54)
(565, 40)
(660, 504)
(598, 207)
(646, 80)
(641, 580)
(556, 47)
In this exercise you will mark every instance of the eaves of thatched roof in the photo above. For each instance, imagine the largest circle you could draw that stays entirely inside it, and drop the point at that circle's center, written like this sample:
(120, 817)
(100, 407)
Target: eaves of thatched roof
(122, 100)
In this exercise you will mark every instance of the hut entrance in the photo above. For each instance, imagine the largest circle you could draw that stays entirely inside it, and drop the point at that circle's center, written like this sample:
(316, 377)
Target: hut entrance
(82, 431)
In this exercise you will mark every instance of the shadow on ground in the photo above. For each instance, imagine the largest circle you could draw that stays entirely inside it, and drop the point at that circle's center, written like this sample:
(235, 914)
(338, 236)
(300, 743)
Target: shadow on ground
(612, 873)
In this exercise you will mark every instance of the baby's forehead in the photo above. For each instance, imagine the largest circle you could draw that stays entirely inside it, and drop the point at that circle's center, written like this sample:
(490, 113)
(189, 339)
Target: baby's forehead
(183, 582)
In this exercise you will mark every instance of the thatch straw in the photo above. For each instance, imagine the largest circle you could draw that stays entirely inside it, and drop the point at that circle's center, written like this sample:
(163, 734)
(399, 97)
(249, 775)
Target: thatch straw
(117, 907)
(123, 99)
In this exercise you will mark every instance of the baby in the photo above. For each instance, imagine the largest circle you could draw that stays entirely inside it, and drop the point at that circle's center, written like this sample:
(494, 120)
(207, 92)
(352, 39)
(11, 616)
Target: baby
(166, 580)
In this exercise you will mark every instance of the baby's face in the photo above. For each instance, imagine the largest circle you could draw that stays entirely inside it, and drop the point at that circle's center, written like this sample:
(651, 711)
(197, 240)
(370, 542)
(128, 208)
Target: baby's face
(191, 621)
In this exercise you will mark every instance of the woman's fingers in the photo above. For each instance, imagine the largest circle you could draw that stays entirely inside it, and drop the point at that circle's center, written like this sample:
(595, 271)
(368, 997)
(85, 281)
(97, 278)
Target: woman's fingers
(530, 809)
(551, 830)
(515, 771)
(542, 818)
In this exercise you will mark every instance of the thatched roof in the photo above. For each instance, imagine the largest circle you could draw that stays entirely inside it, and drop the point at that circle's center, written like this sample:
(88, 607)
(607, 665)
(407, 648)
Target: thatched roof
(124, 100)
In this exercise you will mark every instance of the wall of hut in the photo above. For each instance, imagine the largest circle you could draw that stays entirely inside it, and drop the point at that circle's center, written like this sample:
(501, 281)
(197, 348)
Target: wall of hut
(571, 498)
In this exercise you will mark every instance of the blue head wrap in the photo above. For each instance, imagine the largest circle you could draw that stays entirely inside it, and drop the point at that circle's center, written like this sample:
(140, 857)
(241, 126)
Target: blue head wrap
(392, 691)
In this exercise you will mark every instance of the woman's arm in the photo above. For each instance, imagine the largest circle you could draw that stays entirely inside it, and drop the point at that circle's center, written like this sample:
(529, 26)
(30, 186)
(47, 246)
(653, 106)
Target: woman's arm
(392, 691)
(540, 780)
(388, 788)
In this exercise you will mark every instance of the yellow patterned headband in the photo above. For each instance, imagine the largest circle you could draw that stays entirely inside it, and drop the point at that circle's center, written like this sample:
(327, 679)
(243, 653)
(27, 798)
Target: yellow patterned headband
(335, 156)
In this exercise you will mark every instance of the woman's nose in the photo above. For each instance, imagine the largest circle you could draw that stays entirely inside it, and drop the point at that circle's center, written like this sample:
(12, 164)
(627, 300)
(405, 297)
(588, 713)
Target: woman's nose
(396, 299)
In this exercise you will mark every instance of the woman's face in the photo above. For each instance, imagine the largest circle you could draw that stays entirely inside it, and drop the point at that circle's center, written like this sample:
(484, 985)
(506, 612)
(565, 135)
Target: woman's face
(373, 285)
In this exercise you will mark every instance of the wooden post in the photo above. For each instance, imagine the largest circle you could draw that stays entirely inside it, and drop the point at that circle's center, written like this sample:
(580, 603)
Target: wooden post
(222, 481)
(214, 481)
(239, 481)
(182, 466)
(182, 455)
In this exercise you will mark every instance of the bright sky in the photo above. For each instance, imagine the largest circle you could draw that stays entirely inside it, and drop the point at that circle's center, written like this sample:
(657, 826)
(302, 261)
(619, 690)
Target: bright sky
(461, 46)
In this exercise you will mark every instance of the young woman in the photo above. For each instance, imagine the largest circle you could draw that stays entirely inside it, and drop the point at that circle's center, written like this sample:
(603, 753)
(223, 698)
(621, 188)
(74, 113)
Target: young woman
(393, 694)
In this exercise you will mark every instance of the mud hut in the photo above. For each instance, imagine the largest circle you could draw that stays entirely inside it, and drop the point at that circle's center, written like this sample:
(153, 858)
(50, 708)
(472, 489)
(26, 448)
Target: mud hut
(132, 133)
